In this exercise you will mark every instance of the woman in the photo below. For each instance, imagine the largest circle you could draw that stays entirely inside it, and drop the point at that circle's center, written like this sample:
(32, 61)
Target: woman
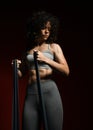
(42, 31)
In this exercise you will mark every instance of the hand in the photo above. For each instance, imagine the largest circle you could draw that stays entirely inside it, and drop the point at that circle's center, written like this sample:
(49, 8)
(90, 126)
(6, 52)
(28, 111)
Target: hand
(18, 63)
(41, 57)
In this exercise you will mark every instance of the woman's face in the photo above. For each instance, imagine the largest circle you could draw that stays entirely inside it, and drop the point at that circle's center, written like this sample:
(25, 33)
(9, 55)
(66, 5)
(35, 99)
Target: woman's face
(45, 32)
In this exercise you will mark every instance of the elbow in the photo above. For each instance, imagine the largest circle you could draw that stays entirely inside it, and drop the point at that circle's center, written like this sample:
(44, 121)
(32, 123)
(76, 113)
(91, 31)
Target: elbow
(67, 71)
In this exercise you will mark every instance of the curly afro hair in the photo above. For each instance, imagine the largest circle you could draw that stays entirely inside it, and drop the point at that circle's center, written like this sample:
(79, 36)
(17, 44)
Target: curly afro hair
(37, 22)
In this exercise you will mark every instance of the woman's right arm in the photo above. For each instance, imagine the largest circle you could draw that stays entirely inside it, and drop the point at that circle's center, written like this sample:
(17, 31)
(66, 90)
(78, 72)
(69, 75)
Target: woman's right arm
(18, 70)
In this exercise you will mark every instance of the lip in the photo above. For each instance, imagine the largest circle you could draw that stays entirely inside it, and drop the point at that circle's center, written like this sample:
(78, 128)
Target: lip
(45, 35)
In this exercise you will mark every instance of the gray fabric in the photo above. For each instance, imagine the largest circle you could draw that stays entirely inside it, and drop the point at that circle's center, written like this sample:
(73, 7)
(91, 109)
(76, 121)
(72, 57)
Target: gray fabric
(47, 53)
(53, 106)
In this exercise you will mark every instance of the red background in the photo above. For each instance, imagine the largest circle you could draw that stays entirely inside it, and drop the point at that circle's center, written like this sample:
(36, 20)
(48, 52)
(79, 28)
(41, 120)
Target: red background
(76, 32)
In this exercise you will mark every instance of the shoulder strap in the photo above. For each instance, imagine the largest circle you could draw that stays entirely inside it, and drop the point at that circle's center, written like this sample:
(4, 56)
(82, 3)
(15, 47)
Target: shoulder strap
(48, 46)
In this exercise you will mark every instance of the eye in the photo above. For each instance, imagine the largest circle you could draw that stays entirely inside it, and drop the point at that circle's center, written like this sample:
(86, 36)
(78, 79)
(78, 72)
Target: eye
(49, 28)
(43, 27)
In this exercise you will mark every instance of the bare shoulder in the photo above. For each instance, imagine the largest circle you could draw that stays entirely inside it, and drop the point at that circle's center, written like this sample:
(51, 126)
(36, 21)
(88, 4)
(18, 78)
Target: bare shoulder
(55, 47)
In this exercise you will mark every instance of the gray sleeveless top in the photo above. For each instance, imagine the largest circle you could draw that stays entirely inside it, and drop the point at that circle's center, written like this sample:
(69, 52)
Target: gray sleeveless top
(46, 53)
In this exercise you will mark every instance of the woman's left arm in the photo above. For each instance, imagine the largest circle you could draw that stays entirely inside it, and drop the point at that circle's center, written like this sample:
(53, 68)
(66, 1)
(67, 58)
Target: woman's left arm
(60, 62)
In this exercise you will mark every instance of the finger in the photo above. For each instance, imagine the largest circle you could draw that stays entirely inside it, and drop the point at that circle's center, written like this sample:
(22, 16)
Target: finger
(36, 52)
(19, 61)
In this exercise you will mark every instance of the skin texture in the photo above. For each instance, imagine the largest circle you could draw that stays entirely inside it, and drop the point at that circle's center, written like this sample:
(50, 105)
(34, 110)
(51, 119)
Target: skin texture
(42, 36)
(59, 64)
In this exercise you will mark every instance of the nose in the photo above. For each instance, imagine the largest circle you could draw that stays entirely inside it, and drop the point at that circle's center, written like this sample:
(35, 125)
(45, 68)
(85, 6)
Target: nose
(46, 30)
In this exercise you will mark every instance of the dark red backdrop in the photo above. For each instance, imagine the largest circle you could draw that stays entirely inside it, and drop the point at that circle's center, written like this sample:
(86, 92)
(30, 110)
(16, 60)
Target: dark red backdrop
(77, 49)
